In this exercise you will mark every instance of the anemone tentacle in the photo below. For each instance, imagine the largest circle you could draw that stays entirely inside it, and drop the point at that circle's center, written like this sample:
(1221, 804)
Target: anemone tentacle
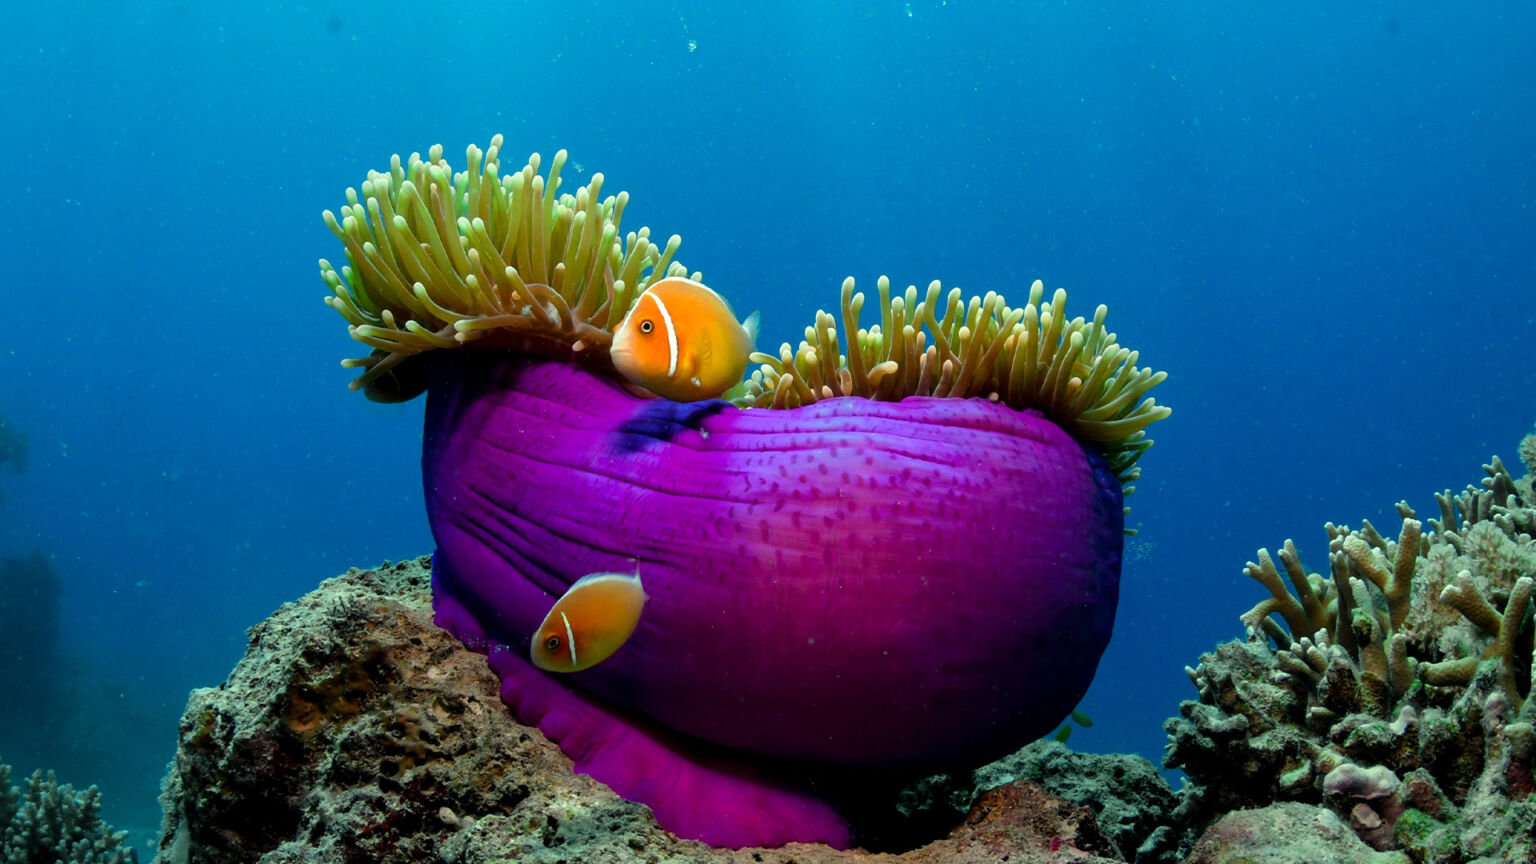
(437, 259)
(1031, 357)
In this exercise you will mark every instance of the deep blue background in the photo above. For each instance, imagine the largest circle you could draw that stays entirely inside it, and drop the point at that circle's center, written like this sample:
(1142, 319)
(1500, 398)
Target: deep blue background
(1317, 219)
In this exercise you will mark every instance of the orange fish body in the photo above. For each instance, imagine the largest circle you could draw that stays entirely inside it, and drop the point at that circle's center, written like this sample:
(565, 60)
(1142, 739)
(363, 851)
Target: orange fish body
(593, 619)
(681, 341)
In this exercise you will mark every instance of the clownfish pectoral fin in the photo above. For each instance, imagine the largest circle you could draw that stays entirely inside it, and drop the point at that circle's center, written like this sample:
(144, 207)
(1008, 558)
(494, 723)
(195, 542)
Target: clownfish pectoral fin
(696, 381)
(752, 325)
(636, 390)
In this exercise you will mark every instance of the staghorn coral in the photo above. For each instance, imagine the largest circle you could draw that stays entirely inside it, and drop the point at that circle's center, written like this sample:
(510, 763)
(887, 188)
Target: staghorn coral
(1397, 691)
(439, 259)
(49, 823)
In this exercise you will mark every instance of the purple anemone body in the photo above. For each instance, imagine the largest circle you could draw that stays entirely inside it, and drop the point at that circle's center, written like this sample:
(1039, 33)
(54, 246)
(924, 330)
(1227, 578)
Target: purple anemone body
(865, 586)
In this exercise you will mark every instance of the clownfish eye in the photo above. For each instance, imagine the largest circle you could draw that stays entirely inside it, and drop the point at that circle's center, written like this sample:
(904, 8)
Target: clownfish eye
(646, 326)
(552, 643)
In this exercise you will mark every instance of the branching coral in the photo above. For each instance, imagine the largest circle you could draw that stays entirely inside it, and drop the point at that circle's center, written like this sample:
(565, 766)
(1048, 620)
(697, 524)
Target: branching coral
(439, 259)
(1410, 663)
(53, 823)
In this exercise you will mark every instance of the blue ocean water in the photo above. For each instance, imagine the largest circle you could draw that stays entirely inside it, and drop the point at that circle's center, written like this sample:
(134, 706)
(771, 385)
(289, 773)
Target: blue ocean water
(1317, 217)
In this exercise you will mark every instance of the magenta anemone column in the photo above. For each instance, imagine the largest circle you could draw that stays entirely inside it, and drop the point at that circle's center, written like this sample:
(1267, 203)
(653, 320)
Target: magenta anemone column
(864, 586)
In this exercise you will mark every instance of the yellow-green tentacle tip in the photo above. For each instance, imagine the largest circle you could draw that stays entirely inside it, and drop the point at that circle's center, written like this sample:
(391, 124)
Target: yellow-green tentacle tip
(1028, 357)
(437, 259)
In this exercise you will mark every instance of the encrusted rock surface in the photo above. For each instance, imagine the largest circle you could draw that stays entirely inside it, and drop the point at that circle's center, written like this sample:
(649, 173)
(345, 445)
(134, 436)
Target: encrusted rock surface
(1286, 834)
(354, 730)
(1134, 809)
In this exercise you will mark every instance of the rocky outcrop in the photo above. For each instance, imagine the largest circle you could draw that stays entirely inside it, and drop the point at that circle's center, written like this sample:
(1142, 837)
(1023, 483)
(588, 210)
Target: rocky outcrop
(354, 730)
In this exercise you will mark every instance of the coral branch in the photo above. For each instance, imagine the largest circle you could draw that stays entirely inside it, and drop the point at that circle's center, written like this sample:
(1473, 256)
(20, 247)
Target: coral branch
(1281, 601)
(1510, 624)
(1464, 597)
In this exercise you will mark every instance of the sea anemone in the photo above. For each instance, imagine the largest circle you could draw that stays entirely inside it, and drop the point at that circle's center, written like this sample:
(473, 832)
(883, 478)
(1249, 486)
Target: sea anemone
(921, 576)
(440, 259)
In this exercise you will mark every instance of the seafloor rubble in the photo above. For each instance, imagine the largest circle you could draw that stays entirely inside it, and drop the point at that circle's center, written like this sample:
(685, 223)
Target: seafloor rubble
(1399, 695)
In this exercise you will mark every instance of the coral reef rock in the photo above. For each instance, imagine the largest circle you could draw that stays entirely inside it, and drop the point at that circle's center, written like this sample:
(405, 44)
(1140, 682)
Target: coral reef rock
(1398, 693)
(1134, 809)
(1286, 834)
(355, 730)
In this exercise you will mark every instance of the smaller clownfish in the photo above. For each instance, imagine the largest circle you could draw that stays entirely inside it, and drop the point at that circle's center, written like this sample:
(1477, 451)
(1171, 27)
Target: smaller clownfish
(595, 618)
(681, 341)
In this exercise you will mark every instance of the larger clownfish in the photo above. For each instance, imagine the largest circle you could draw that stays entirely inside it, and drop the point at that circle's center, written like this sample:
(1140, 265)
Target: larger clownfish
(681, 341)
(593, 619)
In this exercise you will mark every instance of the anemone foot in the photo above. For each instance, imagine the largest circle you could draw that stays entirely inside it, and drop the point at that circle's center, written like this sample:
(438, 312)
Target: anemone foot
(698, 797)
(695, 795)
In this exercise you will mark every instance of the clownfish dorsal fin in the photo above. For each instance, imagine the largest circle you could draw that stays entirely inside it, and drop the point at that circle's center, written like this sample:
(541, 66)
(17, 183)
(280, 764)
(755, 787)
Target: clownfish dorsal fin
(752, 325)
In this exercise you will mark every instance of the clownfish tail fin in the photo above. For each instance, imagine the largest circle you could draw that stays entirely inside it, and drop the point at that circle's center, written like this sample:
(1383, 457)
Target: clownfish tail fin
(751, 325)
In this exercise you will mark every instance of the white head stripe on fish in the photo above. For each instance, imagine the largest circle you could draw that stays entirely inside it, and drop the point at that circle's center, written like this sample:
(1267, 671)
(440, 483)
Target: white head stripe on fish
(666, 321)
(570, 638)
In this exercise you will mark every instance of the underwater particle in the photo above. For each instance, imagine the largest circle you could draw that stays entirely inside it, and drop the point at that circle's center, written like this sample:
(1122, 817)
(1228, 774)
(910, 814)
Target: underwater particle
(1138, 549)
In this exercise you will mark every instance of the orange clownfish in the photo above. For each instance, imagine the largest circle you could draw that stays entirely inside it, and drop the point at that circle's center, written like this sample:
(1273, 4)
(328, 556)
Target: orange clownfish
(681, 341)
(594, 619)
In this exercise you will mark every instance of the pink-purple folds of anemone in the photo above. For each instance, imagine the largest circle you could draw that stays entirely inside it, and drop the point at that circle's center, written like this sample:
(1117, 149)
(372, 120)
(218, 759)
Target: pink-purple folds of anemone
(855, 586)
